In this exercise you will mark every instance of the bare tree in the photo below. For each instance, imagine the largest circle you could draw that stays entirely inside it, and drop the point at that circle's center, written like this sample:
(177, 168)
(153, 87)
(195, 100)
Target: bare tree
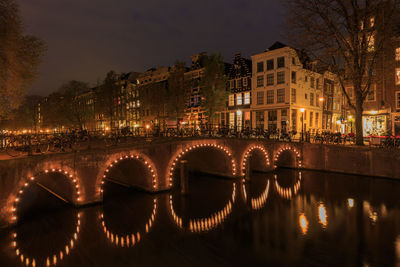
(73, 105)
(176, 90)
(347, 37)
(106, 97)
(213, 86)
(19, 57)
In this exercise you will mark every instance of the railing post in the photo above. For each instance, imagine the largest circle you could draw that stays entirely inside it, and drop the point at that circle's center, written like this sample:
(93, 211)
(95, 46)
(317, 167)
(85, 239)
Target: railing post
(184, 178)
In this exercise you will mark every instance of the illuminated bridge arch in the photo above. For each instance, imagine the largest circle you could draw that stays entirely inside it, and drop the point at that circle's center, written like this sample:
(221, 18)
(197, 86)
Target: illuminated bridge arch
(287, 192)
(54, 257)
(199, 225)
(131, 239)
(257, 202)
(143, 161)
(174, 163)
(246, 156)
(287, 156)
(75, 199)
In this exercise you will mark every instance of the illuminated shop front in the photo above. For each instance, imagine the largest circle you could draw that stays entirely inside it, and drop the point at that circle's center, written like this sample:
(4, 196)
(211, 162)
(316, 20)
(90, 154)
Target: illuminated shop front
(375, 124)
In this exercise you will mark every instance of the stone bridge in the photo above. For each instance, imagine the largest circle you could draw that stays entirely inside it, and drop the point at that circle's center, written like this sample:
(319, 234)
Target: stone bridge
(78, 178)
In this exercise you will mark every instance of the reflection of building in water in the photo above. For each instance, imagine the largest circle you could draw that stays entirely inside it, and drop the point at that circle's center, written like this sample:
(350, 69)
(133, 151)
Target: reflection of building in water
(53, 258)
(128, 240)
(287, 193)
(208, 223)
(258, 202)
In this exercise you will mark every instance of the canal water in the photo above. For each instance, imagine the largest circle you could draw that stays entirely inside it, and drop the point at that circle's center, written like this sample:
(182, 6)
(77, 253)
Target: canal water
(285, 218)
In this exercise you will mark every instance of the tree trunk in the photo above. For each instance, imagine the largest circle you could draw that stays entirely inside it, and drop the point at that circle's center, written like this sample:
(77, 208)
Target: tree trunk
(359, 125)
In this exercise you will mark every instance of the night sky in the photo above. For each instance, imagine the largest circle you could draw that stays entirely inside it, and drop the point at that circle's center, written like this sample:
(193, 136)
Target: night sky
(86, 39)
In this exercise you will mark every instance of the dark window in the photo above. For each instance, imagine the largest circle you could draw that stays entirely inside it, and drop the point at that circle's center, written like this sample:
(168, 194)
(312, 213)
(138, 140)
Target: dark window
(270, 79)
(281, 62)
(260, 66)
(280, 77)
(260, 98)
(260, 81)
(270, 64)
(270, 97)
(280, 96)
(293, 77)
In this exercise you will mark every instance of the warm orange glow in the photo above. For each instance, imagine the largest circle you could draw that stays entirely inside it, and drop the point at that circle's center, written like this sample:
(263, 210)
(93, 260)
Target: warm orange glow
(323, 217)
(350, 202)
(303, 223)
(147, 126)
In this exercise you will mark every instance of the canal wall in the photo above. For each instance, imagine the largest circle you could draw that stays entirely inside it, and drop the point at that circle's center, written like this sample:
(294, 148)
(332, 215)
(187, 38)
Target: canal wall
(366, 161)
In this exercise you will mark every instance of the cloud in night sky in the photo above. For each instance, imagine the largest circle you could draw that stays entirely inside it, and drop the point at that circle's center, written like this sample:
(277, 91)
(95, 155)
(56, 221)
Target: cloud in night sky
(86, 39)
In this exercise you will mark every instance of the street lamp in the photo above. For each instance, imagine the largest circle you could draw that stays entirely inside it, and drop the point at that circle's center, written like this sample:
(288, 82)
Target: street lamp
(302, 123)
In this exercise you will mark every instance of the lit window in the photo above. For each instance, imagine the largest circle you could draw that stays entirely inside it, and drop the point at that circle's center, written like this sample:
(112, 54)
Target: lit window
(371, 43)
(398, 76)
(239, 99)
(247, 98)
(398, 54)
(231, 100)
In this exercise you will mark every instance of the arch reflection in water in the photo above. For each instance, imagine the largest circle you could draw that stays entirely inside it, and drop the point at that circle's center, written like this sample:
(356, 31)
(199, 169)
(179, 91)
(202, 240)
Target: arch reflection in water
(52, 258)
(257, 202)
(133, 237)
(206, 224)
(288, 192)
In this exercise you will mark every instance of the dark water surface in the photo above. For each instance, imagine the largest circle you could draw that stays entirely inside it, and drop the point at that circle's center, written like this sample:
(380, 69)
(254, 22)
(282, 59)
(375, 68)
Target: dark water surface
(286, 218)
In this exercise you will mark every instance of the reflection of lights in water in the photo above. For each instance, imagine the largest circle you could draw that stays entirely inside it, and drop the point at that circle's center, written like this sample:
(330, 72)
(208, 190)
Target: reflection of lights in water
(128, 240)
(259, 202)
(52, 259)
(350, 202)
(373, 216)
(287, 193)
(248, 153)
(322, 215)
(288, 148)
(303, 223)
(397, 246)
(173, 165)
(141, 158)
(30, 180)
(208, 223)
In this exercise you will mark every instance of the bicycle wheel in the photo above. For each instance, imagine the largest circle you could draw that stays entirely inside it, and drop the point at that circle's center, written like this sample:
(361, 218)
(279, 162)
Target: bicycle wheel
(13, 148)
(43, 147)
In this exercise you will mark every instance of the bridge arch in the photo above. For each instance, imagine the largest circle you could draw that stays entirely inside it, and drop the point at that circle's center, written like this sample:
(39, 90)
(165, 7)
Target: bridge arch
(248, 153)
(287, 156)
(181, 154)
(143, 162)
(288, 192)
(74, 199)
(54, 257)
(200, 225)
(131, 239)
